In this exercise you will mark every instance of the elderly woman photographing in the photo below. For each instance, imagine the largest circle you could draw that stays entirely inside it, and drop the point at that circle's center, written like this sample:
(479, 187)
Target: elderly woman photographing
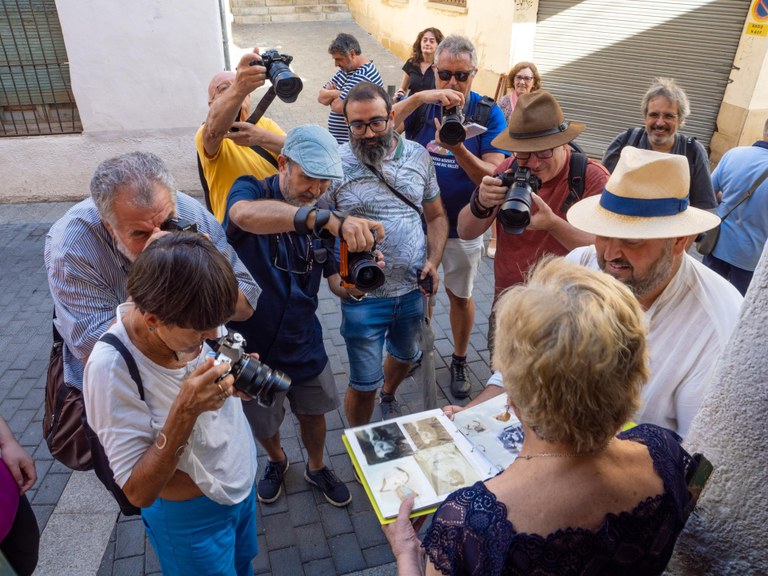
(579, 499)
(184, 454)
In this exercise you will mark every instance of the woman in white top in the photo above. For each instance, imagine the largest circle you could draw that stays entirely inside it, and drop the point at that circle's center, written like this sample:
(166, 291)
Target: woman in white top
(184, 454)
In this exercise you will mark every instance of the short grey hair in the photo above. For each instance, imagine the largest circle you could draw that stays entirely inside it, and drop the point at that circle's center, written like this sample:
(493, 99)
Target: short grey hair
(137, 171)
(343, 44)
(668, 88)
(456, 45)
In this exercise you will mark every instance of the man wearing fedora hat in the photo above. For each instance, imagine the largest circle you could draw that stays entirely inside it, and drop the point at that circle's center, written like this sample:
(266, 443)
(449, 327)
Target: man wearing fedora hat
(287, 244)
(538, 135)
(641, 224)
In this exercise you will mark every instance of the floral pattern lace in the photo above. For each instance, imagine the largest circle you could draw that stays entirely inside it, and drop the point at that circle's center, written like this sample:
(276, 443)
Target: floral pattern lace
(470, 533)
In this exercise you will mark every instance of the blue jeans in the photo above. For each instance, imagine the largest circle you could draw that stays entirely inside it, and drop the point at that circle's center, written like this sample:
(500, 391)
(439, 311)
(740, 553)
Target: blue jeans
(368, 324)
(199, 536)
(735, 275)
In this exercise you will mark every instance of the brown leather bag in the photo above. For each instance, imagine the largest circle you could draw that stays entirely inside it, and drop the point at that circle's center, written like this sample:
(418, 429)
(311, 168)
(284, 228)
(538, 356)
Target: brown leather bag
(64, 427)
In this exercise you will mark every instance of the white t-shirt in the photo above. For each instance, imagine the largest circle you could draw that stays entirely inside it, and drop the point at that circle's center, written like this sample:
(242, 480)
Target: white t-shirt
(221, 454)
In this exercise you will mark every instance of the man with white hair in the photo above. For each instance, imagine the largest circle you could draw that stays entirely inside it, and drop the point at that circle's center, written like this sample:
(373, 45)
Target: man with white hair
(641, 223)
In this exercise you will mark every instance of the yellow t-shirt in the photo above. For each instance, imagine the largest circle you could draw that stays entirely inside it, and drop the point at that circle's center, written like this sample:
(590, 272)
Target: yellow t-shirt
(231, 162)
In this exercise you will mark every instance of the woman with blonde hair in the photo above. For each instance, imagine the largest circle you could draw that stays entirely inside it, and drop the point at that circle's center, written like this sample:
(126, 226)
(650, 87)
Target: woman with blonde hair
(418, 70)
(579, 498)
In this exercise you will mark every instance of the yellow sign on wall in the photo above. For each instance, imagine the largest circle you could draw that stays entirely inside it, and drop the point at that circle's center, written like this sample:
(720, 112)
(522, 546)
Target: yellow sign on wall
(757, 23)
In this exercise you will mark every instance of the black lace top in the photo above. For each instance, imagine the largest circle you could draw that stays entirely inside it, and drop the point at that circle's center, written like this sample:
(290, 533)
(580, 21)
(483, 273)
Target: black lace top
(470, 533)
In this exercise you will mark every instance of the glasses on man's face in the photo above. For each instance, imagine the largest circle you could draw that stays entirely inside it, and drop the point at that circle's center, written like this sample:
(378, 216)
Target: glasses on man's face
(666, 116)
(378, 124)
(526, 79)
(541, 155)
(445, 75)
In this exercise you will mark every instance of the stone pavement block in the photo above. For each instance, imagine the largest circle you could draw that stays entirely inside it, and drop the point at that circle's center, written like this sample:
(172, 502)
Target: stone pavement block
(261, 562)
(8, 408)
(50, 489)
(333, 420)
(333, 443)
(360, 502)
(294, 477)
(378, 555)
(302, 509)
(322, 567)
(130, 537)
(128, 566)
(279, 506)
(43, 514)
(368, 529)
(312, 544)
(285, 562)
(346, 553)
(151, 562)
(108, 559)
(65, 552)
(279, 531)
(335, 520)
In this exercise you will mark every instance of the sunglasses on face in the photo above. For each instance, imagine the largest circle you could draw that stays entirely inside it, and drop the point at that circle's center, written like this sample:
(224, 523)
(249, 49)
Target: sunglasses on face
(445, 75)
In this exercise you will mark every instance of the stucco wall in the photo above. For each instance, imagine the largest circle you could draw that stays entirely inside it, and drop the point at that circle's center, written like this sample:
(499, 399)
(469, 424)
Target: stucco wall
(140, 72)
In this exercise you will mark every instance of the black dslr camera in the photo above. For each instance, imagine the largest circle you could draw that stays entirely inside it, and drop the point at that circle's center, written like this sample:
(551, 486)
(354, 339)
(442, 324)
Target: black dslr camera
(287, 85)
(359, 269)
(174, 224)
(251, 376)
(452, 131)
(515, 211)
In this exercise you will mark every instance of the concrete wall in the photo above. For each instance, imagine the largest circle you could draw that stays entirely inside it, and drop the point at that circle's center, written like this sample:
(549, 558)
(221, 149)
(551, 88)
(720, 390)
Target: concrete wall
(140, 73)
(726, 536)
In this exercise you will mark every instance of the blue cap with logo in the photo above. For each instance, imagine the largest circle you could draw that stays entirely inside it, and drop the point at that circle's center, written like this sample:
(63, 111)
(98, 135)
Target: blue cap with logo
(314, 149)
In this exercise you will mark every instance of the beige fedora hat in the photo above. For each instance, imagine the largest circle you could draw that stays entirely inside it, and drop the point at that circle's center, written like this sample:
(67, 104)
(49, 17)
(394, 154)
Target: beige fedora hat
(645, 197)
(537, 123)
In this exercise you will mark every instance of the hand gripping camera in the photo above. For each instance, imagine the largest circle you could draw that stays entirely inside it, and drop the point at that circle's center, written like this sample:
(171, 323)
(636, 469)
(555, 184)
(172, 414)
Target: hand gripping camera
(251, 376)
(359, 269)
(174, 224)
(515, 211)
(287, 85)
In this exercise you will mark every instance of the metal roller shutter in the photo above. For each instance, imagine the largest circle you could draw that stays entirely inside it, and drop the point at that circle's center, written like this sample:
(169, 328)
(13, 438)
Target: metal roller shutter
(598, 58)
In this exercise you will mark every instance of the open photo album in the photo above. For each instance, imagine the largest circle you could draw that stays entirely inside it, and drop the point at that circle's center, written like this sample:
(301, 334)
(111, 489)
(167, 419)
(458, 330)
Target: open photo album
(429, 456)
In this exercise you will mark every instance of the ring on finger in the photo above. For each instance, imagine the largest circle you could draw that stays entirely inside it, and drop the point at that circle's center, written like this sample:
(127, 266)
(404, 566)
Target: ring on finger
(224, 392)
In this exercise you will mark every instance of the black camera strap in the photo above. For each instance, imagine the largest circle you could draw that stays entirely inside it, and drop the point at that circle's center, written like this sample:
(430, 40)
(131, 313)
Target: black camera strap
(394, 191)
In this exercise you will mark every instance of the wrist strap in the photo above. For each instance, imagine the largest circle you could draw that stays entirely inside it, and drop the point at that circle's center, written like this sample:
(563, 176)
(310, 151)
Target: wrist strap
(300, 220)
(477, 209)
(322, 216)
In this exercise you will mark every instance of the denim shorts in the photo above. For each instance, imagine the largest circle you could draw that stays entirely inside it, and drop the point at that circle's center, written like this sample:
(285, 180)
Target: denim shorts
(200, 536)
(368, 324)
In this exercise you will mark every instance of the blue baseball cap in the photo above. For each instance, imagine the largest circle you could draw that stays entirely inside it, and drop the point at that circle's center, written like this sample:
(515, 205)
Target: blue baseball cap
(315, 150)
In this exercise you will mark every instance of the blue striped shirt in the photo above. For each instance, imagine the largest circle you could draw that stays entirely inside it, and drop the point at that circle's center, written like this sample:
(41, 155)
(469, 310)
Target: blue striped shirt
(345, 81)
(87, 276)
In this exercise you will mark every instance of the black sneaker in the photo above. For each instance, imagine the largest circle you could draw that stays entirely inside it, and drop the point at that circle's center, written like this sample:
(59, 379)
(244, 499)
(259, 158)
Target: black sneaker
(332, 488)
(271, 484)
(390, 408)
(460, 383)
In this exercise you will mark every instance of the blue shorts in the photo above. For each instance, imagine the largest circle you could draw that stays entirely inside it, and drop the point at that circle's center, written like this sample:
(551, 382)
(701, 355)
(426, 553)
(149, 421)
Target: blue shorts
(199, 536)
(368, 324)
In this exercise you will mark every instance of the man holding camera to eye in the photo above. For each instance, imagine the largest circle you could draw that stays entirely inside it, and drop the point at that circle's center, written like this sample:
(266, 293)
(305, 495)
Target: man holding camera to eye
(228, 146)
(460, 165)
(391, 180)
(287, 244)
(538, 135)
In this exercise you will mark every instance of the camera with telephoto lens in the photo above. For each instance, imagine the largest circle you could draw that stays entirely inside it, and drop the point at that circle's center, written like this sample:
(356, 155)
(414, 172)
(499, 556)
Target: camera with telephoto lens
(515, 211)
(287, 85)
(174, 224)
(359, 269)
(251, 376)
(452, 131)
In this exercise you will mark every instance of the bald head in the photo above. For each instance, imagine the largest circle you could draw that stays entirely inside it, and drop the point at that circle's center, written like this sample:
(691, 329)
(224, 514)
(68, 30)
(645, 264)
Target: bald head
(224, 77)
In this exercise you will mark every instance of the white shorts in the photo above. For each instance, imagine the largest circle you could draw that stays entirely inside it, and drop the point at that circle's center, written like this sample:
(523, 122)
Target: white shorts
(461, 261)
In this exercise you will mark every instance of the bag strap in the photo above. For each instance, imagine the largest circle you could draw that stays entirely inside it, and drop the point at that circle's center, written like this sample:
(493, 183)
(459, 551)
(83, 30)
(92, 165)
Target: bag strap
(749, 193)
(577, 175)
(394, 191)
(133, 369)
(483, 110)
(266, 155)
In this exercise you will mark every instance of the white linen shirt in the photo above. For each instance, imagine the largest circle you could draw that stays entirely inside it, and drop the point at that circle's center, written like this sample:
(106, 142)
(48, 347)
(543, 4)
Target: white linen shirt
(221, 454)
(689, 325)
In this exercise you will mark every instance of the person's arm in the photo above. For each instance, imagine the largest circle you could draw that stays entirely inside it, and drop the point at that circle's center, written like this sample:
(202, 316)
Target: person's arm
(226, 108)
(404, 541)
(253, 135)
(701, 191)
(18, 460)
(487, 197)
(491, 390)
(444, 97)
(437, 236)
(403, 90)
(559, 228)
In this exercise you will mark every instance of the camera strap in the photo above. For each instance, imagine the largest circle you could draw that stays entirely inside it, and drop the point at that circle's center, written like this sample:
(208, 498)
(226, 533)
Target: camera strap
(394, 191)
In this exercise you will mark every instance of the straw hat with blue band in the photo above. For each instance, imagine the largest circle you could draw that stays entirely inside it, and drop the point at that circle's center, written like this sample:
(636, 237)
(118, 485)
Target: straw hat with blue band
(536, 124)
(645, 197)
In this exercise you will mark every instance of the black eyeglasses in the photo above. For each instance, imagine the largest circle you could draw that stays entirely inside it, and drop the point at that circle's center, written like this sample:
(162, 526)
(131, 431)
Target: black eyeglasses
(292, 253)
(541, 154)
(358, 127)
(445, 75)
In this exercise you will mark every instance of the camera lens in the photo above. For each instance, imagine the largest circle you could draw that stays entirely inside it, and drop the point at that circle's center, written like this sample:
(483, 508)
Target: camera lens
(287, 84)
(259, 380)
(452, 131)
(365, 274)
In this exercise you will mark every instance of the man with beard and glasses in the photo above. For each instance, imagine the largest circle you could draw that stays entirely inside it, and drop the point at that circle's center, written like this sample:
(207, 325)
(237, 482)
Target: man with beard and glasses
(89, 250)
(391, 180)
(641, 223)
(287, 245)
(665, 107)
(460, 167)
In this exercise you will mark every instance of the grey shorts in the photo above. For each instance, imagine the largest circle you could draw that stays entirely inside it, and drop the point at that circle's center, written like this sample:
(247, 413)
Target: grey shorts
(312, 397)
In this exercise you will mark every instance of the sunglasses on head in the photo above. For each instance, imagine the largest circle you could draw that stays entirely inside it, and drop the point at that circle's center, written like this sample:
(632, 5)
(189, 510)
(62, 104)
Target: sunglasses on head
(445, 75)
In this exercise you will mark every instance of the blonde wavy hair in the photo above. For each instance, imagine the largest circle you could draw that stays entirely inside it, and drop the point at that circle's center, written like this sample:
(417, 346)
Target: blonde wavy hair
(571, 344)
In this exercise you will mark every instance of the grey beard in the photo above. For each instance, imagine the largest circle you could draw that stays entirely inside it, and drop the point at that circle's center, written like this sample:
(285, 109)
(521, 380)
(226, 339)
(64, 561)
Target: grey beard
(373, 155)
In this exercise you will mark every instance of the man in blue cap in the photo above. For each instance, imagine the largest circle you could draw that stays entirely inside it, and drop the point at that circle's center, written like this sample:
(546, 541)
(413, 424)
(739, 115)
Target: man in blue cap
(286, 242)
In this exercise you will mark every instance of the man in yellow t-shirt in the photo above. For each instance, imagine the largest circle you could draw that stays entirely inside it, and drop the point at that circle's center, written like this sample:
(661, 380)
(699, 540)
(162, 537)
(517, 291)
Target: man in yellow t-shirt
(225, 155)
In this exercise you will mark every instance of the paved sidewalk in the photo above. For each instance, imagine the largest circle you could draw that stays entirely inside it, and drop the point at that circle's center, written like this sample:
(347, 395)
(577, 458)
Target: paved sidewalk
(300, 533)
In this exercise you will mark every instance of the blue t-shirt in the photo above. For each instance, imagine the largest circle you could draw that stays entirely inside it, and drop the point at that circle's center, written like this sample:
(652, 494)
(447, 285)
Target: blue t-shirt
(456, 187)
(284, 329)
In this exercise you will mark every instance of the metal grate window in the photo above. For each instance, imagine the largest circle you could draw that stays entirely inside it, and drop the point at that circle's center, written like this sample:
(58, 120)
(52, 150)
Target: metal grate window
(35, 88)
(459, 3)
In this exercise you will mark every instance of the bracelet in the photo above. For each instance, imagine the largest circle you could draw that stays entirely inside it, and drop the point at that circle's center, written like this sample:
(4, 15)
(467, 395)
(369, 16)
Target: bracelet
(342, 216)
(322, 216)
(477, 209)
(300, 219)
(161, 445)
